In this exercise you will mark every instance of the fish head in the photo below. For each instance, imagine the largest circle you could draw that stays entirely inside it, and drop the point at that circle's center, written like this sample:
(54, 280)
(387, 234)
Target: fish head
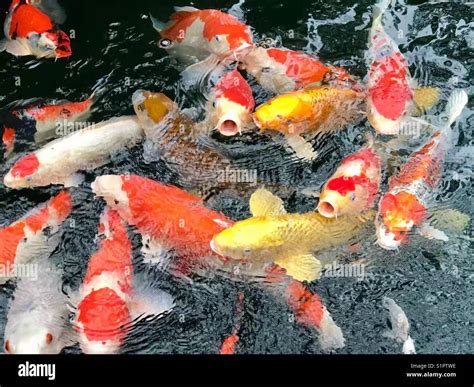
(51, 44)
(254, 239)
(102, 320)
(398, 214)
(110, 187)
(337, 196)
(233, 104)
(23, 173)
(151, 108)
(279, 112)
(32, 336)
(225, 32)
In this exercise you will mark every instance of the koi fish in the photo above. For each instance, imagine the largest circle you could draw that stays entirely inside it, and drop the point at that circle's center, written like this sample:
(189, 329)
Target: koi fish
(405, 205)
(393, 96)
(200, 33)
(109, 301)
(281, 70)
(353, 188)
(37, 321)
(59, 161)
(310, 111)
(41, 121)
(168, 218)
(232, 105)
(400, 326)
(288, 240)
(29, 31)
(34, 235)
(310, 311)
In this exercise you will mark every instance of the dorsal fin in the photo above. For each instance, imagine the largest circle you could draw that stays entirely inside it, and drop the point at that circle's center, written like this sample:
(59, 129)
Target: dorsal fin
(264, 203)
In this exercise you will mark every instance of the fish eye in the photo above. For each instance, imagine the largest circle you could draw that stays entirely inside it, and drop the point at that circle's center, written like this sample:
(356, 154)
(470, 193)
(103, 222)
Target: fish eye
(214, 104)
(266, 69)
(165, 43)
(218, 38)
(7, 346)
(29, 179)
(49, 338)
(353, 196)
(116, 202)
(247, 251)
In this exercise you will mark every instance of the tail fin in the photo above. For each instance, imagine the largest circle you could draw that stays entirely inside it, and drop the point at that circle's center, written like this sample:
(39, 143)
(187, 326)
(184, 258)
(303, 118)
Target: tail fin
(456, 102)
(379, 10)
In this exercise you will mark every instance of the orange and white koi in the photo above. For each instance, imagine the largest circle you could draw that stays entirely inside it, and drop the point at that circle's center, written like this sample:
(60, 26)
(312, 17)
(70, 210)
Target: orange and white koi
(232, 105)
(353, 188)
(281, 70)
(200, 33)
(108, 298)
(29, 31)
(392, 93)
(59, 161)
(34, 235)
(405, 205)
(167, 217)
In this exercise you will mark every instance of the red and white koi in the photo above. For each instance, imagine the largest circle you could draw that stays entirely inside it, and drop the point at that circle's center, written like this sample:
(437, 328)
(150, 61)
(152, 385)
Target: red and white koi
(109, 301)
(392, 93)
(59, 161)
(34, 235)
(30, 31)
(281, 70)
(405, 205)
(200, 33)
(353, 188)
(232, 105)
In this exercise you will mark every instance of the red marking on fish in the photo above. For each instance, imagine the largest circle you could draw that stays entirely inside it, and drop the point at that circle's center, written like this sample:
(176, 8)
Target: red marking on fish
(307, 306)
(236, 89)
(26, 18)
(390, 92)
(8, 138)
(25, 166)
(303, 68)
(228, 346)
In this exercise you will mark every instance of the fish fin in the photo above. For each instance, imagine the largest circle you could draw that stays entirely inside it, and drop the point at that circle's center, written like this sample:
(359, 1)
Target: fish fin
(424, 98)
(264, 203)
(74, 180)
(210, 68)
(157, 24)
(14, 47)
(304, 267)
(302, 148)
(186, 8)
(456, 102)
(330, 335)
(428, 231)
(409, 347)
(450, 219)
(150, 302)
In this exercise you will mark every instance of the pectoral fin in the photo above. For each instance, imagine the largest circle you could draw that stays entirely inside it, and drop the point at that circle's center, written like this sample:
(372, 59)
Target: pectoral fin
(428, 231)
(301, 267)
(424, 98)
(210, 68)
(74, 180)
(157, 24)
(302, 148)
(264, 203)
(151, 303)
(14, 47)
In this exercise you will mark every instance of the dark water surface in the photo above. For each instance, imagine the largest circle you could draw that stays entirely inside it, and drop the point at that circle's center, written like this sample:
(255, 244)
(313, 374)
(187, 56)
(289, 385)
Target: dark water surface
(431, 281)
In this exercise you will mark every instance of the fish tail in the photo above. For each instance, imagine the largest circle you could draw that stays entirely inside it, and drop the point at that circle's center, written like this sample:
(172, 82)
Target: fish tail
(455, 105)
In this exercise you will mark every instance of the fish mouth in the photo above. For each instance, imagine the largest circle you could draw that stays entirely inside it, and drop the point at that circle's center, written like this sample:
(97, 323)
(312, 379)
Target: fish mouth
(228, 127)
(387, 240)
(327, 209)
